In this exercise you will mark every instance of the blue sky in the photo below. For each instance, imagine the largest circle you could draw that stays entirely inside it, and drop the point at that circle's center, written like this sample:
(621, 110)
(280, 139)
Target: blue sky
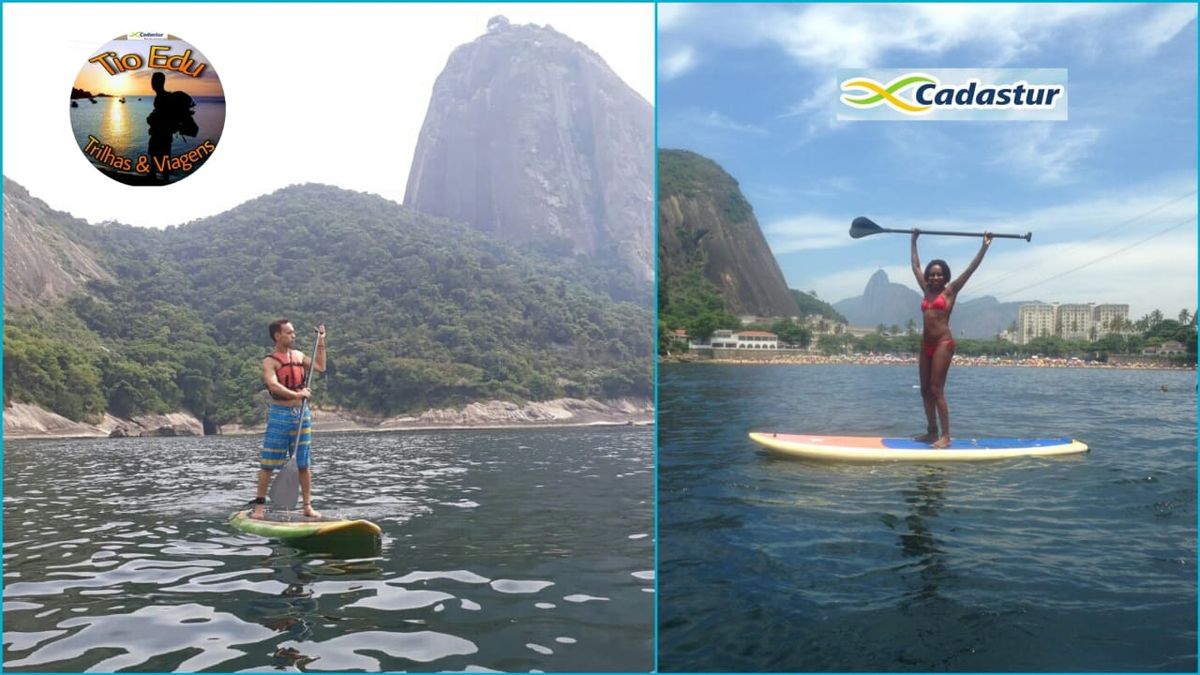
(1109, 194)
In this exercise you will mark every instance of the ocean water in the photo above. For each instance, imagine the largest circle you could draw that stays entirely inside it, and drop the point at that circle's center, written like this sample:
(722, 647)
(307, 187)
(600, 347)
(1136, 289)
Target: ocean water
(123, 125)
(514, 550)
(1080, 563)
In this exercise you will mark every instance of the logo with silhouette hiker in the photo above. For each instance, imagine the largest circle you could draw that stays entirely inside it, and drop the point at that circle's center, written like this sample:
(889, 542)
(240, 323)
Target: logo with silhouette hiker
(147, 109)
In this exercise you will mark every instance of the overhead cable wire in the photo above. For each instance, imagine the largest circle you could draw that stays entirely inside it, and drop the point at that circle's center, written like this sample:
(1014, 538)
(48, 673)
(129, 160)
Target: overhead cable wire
(1002, 278)
(1185, 221)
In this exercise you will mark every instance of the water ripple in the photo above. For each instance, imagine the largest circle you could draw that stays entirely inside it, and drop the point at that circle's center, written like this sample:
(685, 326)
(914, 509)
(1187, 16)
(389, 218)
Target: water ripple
(1081, 563)
(139, 570)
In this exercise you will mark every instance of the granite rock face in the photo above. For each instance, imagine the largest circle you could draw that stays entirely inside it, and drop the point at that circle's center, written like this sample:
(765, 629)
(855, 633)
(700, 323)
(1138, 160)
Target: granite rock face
(705, 222)
(530, 135)
(45, 256)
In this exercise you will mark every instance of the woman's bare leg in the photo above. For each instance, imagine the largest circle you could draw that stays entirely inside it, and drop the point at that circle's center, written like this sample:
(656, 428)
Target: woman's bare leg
(939, 366)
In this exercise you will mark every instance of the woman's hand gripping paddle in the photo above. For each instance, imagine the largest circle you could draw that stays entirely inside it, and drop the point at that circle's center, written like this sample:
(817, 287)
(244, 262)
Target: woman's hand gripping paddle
(285, 485)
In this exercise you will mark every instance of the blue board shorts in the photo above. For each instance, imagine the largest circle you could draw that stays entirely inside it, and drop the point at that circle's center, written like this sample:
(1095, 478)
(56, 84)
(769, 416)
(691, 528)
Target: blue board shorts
(282, 424)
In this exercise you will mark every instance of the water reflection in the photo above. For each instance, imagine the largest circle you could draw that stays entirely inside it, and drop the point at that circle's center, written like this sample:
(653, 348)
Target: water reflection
(117, 127)
(925, 501)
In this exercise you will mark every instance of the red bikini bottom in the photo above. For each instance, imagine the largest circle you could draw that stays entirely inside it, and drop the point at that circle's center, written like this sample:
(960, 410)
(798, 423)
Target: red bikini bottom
(930, 348)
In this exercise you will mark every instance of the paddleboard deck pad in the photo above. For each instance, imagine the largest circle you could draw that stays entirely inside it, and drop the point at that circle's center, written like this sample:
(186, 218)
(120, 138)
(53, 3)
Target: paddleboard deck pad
(324, 534)
(874, 448)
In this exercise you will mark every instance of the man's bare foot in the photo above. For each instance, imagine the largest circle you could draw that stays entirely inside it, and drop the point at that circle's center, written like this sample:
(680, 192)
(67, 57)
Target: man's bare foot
(310, 512)
(943, 442)
(259, 512)
(927, 437)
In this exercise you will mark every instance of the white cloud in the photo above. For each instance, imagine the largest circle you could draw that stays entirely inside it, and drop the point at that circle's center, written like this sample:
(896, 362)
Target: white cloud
(1139, 209)
(671, 16)
(1160, 274)
(677, 63)
(1049, 153)
(825, 36)
(859, 36)
(716, 120)
(1137, 246)
(806, 232)
(1163, 24)
(1157, 274)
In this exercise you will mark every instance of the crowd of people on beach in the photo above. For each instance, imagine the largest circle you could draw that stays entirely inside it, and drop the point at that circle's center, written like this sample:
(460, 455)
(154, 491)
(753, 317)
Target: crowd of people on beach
(872, 358)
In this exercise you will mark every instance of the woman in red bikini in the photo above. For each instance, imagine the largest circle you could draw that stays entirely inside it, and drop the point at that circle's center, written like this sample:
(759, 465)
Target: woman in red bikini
(937, 342)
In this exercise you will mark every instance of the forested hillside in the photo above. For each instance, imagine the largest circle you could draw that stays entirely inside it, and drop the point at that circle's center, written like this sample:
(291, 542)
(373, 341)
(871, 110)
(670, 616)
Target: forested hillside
(421, 312)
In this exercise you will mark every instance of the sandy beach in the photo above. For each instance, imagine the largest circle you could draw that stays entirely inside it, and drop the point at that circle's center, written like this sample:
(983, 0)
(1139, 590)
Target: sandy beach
(893, 359)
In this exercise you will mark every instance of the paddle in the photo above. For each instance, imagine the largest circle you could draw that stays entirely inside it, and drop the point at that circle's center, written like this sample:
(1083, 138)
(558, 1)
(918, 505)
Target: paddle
(285, 486)
(865, 227)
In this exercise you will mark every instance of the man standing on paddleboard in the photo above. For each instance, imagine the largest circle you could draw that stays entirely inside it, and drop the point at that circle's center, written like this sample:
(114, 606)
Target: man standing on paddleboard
(284, 375)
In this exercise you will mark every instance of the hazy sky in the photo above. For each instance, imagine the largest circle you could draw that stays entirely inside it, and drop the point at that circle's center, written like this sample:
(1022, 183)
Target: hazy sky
(318, 93)
(1111, 191)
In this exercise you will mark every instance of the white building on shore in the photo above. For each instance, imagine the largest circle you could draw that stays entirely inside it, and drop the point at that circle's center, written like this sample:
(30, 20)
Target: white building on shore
(1068, 321)
(728, 339)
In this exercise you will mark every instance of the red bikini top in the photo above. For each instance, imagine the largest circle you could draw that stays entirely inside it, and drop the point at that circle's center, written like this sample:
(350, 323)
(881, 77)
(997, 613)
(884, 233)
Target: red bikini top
(938, 303)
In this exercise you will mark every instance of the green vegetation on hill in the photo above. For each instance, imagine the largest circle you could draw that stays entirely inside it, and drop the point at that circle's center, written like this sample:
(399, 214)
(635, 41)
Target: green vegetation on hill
(810, 305)
(421, 313)
(686, 298)
(690, 302)
(684, 173)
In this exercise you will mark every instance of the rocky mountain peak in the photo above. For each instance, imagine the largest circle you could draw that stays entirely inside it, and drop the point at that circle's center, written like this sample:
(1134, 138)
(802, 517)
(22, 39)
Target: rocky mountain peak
(531, 136)
(878, 281)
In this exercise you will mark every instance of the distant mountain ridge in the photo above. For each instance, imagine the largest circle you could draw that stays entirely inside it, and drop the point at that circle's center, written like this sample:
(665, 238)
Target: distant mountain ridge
(530, 136)
(888, 303)
(706, 224)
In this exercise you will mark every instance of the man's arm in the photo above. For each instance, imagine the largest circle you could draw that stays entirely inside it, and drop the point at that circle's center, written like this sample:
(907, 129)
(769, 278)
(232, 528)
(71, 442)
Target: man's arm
(318, 360)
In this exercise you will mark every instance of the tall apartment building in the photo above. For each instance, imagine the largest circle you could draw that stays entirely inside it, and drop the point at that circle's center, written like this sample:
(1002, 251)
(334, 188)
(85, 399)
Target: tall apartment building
(1068, 321)
(1074, 322)
(1105, 315)
(1035, 320)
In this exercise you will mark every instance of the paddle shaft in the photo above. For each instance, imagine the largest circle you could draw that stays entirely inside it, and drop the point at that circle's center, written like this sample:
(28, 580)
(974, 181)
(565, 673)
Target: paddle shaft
(312, 363)
(865, 227)
(1027, 236)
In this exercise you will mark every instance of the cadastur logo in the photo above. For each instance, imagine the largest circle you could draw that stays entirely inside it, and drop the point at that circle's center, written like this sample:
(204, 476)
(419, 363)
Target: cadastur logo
(953, 94)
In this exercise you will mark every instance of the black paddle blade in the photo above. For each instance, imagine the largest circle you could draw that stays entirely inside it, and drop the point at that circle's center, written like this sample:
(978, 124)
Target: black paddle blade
(863, 227)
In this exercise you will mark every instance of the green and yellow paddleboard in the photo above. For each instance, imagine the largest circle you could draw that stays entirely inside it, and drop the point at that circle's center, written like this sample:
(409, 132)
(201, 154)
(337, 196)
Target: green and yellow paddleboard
(357, 537)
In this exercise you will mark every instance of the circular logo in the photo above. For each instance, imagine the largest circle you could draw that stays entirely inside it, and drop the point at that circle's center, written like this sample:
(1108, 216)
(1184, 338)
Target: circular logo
(147, 109)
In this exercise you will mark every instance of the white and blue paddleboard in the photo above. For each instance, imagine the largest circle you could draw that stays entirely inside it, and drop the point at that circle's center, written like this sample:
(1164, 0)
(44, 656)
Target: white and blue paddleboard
(875, 448)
